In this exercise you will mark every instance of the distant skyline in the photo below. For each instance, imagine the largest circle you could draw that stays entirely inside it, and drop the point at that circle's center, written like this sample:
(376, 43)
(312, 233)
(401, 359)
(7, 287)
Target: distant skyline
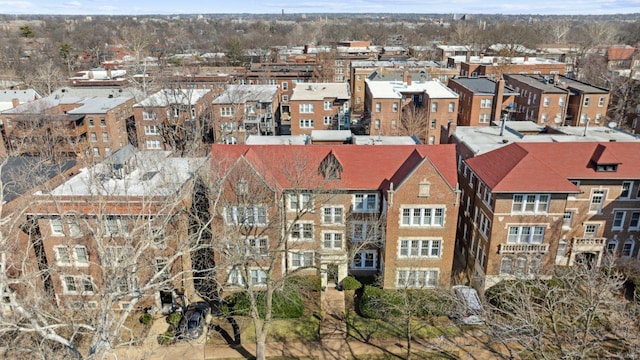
(166, 7)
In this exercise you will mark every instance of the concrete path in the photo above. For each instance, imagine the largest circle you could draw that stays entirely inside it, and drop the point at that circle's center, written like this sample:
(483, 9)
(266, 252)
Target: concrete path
(333, 325)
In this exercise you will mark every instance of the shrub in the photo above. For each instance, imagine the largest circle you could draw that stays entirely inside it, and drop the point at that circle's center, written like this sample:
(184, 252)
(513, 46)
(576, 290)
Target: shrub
(351, 283)
(376, 303)
(174, 318)
(166, 338)
(146, 318)
(305, 282)
(285, 305)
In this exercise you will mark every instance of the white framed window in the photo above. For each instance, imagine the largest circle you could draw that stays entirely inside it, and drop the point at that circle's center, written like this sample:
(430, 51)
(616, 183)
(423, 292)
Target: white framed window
(625, 192)
(63, 255)
(285, 98)
(484, 118)
(332, 240)
(433, 123)
(376, 124)
(227, 111)
(452, 107)
(113, 225)
(521, 265)
(301, 231)
(591, 230)
(627, 248)
(429, 248)
(485, 224)
(285, 85)
(423, 216)
(258, 276)
(378, 107)
(306, 123)
(300, 201)
(546, 101)
(416, 278)
(151, 130)
(597, 200)
(258, 246)
(306, 108)
(93, 137)
(332, 215)
(612, 246)
(634, 222)
(601, 101)
(81, 256)
(365, 202)
(146, 115)
(394, 107)
(153, 145)
(618, 220)
(363, 231)
(506, 265)
(56, 227)
(586, 102)
(299, 259)
(530, 203)
(328, 105)
(365, 260)
(77, 284)
(245, 215)
(485, 103)
(567, 219)
(234, 277)
(525, 234)
(327, 120)
(434, 107)
(105, 137)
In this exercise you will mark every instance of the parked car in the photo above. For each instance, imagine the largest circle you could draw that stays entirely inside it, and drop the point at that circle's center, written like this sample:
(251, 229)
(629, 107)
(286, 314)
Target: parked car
(469, 309)
(193, 321)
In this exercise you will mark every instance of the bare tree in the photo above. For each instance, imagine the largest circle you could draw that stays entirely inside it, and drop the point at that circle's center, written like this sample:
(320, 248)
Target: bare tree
(415, 121)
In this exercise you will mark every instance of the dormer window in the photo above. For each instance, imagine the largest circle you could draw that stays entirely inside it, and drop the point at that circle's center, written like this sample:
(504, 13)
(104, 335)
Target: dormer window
(330, 167)
(607, 167)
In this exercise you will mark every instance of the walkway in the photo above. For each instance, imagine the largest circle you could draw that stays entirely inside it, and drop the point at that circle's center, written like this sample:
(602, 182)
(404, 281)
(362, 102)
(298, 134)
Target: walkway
(333, 325)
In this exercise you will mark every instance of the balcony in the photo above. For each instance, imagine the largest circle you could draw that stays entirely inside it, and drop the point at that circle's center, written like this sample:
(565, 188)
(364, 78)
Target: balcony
(588, 244)
(523, 248)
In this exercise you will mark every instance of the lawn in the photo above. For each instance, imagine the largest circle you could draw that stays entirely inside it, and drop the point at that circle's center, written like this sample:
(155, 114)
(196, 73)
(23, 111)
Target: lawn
(133, 330)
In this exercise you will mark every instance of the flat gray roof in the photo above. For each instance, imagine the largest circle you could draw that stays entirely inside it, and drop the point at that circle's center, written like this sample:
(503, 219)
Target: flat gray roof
(482, 86)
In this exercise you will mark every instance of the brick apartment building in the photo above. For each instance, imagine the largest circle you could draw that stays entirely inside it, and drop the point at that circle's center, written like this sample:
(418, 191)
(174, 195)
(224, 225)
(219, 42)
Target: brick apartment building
(482, 100)
(337, 215)
(526, 207)
(558, 100)
(428, 104)
(495, 66)
(319, 106)
(243, 110)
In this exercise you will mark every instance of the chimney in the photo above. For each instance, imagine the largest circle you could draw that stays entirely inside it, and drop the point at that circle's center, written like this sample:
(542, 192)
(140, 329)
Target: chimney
(405, 76)
(556, 79)
(467, 57)
(451, 129)
(499, 95)
(15, 102)
(109, 73)
(481, 56)
(409, 80)
(526, 58)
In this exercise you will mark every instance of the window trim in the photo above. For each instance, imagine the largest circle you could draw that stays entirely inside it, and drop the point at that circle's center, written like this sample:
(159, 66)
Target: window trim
(431, 245)
(332, 215)
(362, 255)
(429, 282)
(301, 256)
(365, 203)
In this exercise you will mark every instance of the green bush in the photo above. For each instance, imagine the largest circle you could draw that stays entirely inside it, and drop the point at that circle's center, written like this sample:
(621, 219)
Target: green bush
(285, 305)
(146, 318)
(376, 303)
(351, 283)
(305, 282)
(174, 318)
(166, 338)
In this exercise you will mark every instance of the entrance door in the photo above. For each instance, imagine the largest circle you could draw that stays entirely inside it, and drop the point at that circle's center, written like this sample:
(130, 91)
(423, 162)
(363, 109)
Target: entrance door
(588, 259)
(332, 274)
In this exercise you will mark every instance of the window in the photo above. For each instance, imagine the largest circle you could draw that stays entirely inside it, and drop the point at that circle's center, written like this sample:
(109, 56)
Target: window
(227, 111)
(285, 98)
(302, 231)
(103, 122)
(567, 219)
(258, 246)
(434, 107)
(328, 105)
(63, 257)
(531, 203)
(521, 265)
(81, 256)
(612, 246)
(364, 260)
(301, 259)
(91, 123)
(420, 248)
(485, 224)
(377, 124)
(302, 201)
(561, 101)
(525, 234)
(618, 220)
(306, 123)
(151, 130)
(258, 276)
(332, 240)
(485, 103)
(601, 101)
(235, 277)
(506, 266)
(56, 227)
(423, 216)
(395, 107)
(546, 101)
(634, 223)
(365, 202)
(452, 107)
(378, 107)
(432, 123)
(591, 230)
(484, 118)
(105, 137)
(562, 249)
(597, 199)
(417, 278)
(153, 145)
(93, 137)
(363, 231)
(146, 115)
(625, 193)
(328, 120)
(246, 215)
(111, 225)
(285, 85)
(586, 101)
(76, 284)
(332, 215)
(627, 248)
(306, 108)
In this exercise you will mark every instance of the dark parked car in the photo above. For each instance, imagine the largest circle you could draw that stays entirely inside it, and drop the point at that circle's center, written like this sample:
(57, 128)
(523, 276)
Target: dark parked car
(192, 323)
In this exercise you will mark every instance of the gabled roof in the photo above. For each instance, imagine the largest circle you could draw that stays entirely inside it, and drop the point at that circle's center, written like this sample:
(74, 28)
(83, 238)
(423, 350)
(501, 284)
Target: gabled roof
(362, 167)
(620, 52)
(548, 167)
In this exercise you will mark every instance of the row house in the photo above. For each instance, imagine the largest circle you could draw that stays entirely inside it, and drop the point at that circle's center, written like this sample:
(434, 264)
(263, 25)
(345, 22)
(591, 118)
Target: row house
(527, 207)
(349, 51)
(172, 119)
(87, 123)
(495, 66)
(243, 110)
(558, 100)
(316, 209)
(395, 107)
(320, 106)
(117, 232)
(482, 100)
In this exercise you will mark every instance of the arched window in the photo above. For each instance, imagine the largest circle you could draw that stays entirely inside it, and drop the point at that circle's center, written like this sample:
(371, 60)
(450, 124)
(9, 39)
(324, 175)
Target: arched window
(627, 248)
(506, 266)
(521, 265)
(612, 246)
(534, 264)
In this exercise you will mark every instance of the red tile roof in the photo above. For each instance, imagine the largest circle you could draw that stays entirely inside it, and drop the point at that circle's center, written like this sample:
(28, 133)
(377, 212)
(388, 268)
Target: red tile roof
(548, 167)
(363, 167)
(620, 53)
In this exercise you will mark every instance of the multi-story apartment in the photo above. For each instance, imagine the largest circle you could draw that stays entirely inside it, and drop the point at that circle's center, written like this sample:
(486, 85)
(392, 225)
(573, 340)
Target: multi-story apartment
(558, 100)
(526, 207)
(482, 100)
(172, 119)
(495, 66)
(117, 232)
(315, 208)
(319, 106)
(246, 110)
(420, 107)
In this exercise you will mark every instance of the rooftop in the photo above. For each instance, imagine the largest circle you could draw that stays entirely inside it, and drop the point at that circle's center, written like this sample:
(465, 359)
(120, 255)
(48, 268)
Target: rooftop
(320, 91)
(166, 97)
(500, 60)
(482, 86)
(98, 105)
(395, 89)
(240, 94)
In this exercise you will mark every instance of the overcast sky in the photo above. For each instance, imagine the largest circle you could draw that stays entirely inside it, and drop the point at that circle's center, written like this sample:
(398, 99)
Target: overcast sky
(138, 7)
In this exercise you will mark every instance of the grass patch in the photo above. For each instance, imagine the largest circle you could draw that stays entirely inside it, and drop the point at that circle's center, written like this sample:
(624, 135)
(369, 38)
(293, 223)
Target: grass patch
(302, 330)
(134, 331)
(364, 329)
(432, 355)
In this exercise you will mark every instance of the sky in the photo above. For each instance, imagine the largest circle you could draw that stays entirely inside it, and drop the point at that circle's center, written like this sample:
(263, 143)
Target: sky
(142, 7)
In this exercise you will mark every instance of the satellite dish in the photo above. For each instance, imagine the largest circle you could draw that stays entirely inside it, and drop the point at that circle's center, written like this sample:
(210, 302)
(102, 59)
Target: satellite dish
(612, 125)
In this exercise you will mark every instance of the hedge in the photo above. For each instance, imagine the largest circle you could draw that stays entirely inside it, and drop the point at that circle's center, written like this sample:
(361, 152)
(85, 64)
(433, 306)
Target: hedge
(351, 283)
(287, 305)
(376, 303)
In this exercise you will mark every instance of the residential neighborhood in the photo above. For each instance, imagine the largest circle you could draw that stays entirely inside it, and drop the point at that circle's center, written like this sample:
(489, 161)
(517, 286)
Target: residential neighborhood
(380, 195)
